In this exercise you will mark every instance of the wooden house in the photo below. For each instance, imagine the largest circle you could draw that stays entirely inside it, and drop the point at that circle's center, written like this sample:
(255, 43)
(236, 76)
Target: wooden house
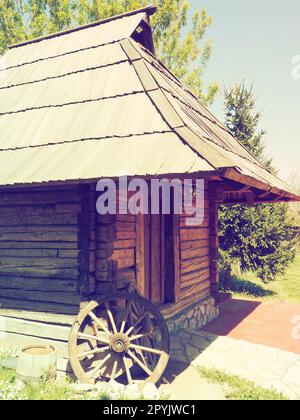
(89, 103)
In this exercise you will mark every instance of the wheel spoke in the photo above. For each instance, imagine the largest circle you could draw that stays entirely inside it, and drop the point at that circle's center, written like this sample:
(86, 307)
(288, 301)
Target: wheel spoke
(126, 314)
(148, 349)
(114, 371)
(92, 338)
(127, 370)
(140, 363)
(99, 323)
(111, 318)
(136, 323)
(138, 336)
(97, 369)
(91, 352)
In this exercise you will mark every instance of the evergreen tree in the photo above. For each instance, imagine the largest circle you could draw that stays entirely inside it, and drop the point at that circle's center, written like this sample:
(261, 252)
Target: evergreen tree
(258, 238)
(182, 49)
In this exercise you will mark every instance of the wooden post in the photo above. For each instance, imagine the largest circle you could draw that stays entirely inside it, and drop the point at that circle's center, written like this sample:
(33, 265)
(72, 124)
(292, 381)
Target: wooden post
(213, 237)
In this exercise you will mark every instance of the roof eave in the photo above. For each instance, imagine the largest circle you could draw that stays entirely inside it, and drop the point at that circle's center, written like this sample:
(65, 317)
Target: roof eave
(235, 175)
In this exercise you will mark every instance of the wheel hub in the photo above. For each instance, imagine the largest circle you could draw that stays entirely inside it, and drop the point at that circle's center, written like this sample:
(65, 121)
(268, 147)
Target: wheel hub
(119, 343)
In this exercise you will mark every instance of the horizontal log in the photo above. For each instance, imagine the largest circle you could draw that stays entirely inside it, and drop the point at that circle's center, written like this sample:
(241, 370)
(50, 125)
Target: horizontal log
(28, 283)
(196, 265)
(45, 317)
(125, 263)
(187, 234)
(59, 273)
(47, 197)
(46, 263)
(112, 218)
(28, 253)
(36, 306)
(125, 227)
(37, 245)
(39, 236)
(188, 245)
(41, 209)
(38, 219)
(38, 228)
(40, 296)
(120, 236)
(190, 254)
(36, 329)
(195, 277)
(123, 254)
(200, 290)
(130, 243)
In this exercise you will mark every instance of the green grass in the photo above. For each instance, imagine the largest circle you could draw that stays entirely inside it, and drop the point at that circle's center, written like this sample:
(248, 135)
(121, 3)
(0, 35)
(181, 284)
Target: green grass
(284, 289)
(58, 391)
(239, 389)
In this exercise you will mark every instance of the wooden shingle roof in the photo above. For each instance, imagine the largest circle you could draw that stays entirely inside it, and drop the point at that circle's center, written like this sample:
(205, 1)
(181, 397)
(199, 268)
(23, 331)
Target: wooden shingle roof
(93, 102)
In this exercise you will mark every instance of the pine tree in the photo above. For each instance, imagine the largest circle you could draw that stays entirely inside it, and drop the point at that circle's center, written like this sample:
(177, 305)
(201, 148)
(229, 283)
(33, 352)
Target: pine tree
(258, 238)
(182, 49)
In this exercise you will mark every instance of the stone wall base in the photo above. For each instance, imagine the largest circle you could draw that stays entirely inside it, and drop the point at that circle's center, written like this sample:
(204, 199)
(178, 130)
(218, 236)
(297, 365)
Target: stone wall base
(196, 316)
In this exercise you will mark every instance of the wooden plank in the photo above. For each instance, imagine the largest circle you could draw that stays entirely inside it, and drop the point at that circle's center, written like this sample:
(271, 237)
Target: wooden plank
(140, 255)
(195, 265)
(46, 263)
(39, 236)
(37, 228)
(130, 243)
(41, 296)
(36, 329)
(189, 254)
(28, 253)
(190, 234)
(38, 219)
(37, 245)
(188, 245)
(27, 305)
(48, 318)
(177, 258)
(43, 198)
(197, 290)
(28, 283)
(213, 237)
(59, 273)
(123, 253)
(155, 236)
(191, 279)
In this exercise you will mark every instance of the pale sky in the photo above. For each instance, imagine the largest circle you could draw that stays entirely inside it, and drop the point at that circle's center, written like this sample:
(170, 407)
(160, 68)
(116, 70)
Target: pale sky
(256, 40)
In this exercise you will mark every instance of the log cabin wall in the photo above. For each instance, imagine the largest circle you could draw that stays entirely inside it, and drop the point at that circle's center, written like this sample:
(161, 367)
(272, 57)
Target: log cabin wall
(116, 239)
(44, 244)
(194, 274)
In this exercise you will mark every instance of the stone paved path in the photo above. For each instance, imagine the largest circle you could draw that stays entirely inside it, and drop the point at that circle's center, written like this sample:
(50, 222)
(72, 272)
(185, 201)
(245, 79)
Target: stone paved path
(266, 366)
(268, 323)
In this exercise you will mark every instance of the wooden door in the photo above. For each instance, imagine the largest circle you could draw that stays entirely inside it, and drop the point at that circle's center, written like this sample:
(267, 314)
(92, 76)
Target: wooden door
(155, 258)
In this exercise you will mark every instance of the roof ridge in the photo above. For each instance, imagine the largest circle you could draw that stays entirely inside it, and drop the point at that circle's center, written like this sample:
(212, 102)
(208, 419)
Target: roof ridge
(150, 10)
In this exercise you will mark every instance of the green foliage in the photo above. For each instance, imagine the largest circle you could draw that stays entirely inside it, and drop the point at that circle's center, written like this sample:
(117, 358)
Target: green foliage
(285, 289)
(258, 238)
(242, 120)
(180, 45)
(240, 389)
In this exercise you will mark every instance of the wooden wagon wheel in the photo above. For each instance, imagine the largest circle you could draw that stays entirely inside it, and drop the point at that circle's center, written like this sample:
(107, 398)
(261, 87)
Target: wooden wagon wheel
(119, 337)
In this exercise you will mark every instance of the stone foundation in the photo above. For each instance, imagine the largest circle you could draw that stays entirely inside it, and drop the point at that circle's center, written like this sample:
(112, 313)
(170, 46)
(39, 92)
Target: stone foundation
(195, 317)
